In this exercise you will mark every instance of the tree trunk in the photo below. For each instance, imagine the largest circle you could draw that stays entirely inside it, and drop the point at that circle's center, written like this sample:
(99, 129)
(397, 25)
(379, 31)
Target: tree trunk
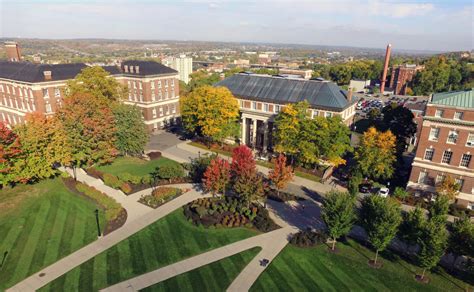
(376, 256)
(74, 172)
(423, 274)
(333, 243)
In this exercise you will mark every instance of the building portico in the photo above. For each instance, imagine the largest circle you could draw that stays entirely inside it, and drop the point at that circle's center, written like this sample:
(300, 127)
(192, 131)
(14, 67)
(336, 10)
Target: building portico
(257, 131)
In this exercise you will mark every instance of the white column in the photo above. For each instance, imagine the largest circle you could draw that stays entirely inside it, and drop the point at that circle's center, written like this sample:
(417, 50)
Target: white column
(254, 133)
(265, 136)
(244, 130)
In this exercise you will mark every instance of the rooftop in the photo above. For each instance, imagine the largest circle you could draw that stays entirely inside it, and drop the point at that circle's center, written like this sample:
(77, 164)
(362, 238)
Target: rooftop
(464, 98)
(277, 89)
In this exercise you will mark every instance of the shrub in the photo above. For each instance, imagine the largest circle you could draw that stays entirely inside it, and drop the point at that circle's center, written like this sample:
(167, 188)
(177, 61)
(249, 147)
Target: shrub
(169, 171)
(94, 172)
(263, 222)
(160, 196)
(147, 180)
(126, 188)
(112, 181)
(127, 177)
(198, 166)
(154, 155)
(308, 238)
(112, 208)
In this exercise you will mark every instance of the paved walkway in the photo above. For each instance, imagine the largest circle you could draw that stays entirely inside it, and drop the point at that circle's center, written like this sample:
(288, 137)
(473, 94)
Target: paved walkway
(73, 260)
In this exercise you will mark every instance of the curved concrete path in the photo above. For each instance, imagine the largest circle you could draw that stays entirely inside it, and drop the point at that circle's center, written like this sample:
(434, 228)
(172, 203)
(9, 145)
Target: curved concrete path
(140, 221)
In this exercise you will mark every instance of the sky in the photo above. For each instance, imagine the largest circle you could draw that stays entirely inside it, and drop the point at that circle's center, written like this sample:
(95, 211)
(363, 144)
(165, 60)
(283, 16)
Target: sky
(416, 25)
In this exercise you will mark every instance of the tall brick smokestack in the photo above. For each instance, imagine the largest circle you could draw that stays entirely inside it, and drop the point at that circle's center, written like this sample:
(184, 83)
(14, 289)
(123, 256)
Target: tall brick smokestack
(13, 51)
(385, 68)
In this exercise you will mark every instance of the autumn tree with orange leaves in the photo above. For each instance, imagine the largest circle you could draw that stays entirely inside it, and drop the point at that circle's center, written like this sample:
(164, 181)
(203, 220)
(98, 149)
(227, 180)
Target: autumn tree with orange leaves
(217, 176)
(376, 154)
(10, 149)
(281, 174)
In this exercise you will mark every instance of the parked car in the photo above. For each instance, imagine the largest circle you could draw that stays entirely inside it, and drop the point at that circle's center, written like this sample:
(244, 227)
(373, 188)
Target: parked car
(383, 192)
(365, 188)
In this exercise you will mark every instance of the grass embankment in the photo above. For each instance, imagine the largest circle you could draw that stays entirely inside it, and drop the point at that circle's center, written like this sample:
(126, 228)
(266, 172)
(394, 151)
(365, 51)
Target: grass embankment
(164, 242)
(135, 166)
(316, 269)
(40, 224)
(213, 277)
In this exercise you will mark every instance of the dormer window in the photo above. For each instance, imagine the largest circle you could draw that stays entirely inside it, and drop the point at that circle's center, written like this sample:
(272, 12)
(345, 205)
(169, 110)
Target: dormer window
(439, 113)
(458, 115)
(125, 67)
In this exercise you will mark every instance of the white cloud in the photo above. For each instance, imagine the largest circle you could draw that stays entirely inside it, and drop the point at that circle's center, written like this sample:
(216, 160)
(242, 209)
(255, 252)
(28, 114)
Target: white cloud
(399, 10)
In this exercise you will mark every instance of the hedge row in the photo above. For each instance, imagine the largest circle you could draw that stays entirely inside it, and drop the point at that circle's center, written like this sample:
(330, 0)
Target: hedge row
(112, 208)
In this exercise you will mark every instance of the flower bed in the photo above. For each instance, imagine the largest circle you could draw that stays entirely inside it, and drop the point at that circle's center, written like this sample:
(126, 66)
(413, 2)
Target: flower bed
(228, 212)
(308, 238)
(159, 196)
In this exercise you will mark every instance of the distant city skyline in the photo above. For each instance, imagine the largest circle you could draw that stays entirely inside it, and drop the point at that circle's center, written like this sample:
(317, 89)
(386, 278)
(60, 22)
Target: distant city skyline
(409, 25)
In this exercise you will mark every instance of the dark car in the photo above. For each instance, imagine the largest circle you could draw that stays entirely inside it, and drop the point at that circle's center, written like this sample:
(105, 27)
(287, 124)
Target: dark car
(365, 188)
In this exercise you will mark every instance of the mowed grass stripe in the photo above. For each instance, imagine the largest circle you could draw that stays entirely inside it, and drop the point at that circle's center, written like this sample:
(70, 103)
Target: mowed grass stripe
(209, 277)
(101, 268)
(57, 233)
(166, 241)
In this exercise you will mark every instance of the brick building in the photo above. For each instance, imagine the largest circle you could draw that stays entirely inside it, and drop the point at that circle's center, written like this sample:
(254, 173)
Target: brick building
(262, 97)
(401, 76)
(446, 145)
(27, 87)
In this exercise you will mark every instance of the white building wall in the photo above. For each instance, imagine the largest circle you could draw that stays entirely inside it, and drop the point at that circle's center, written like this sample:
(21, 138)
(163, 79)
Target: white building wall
(182, 64)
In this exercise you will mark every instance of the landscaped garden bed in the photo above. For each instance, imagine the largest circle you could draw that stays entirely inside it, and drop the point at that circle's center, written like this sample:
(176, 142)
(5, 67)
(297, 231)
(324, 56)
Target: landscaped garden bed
(115, 215)
(228, 212)
(160, 195)
(308, 238)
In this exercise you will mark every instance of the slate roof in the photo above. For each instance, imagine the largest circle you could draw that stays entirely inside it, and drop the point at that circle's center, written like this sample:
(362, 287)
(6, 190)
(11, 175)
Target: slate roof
(320, 94)
(30, 72)
(464, 98)
(33, 73)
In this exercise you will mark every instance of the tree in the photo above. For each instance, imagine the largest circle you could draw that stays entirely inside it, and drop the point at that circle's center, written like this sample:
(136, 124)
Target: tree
(399, 120)
(198, 166)
(281, 174)
(432, 242)
(217, 176)
(438, 211)
(97, 82)
(131, 134)
(169, 171)
(202, 78)
(249, 187)
(373, 114)
(448, 188)
(44, 144)
(338, 213)
(288, 125)
(412, 226)
(10, 150)
(243, 163)
(90, 127)
(211, 112)
(380, 217)
(461, 237)
(354, 182)
(376, 154)
(400, 193)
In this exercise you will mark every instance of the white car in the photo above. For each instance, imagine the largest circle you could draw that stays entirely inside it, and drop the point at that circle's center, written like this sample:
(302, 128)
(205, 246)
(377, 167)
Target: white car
(383, 192)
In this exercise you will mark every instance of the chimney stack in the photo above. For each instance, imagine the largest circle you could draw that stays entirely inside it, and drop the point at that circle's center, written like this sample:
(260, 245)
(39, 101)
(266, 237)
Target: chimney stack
(47, 75)
(385, 68)
(349, 94)
(13, 51)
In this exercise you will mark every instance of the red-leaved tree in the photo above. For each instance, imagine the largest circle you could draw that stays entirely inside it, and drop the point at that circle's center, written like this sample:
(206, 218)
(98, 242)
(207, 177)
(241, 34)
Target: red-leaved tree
(281, 174)
(243, 162)
(217, 176)
(10, 148)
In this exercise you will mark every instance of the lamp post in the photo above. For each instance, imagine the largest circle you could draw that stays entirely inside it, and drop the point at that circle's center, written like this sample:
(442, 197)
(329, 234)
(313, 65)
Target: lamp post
(97, 220)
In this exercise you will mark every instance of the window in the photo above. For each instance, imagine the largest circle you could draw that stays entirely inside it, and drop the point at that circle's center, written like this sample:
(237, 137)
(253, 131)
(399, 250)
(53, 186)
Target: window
(173, 109)
(439, 113)
(327, 114)
(315, 114)
(57, 92)
(48, 108)
(452, 137)
(458, 115)
(440, 178)
(172, 93)
(265, 107)
(277, 108)
(154, 112)
(153, 95)
(166, 94)
(161, 111)
(172, 82)
(447, 157)
(167, 110)
(254, 105)
(465, 160)
(459, 182)
(159, 83)
(152, 84)
(8, 89)
(423, 177)
(45, 93)
(166, 82)
(140, 85)
(434, 134)
(429, 154)
(160, 96)
(470, 140)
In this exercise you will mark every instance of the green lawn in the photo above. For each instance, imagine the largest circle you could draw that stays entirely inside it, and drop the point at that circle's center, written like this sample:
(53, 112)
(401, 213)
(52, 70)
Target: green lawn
(213, 277)
(315, 269)
(162, 243)
(40, 224)
(135, 166)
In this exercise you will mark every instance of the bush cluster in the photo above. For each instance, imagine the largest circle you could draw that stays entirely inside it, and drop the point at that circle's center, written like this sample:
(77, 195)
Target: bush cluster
(112, 208)
(154, 155)
(112, 181)
(308, 238)
(228, 212)
(159, 196)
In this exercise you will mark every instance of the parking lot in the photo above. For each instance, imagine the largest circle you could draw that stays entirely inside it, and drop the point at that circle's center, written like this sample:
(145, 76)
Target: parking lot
(378, 101)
